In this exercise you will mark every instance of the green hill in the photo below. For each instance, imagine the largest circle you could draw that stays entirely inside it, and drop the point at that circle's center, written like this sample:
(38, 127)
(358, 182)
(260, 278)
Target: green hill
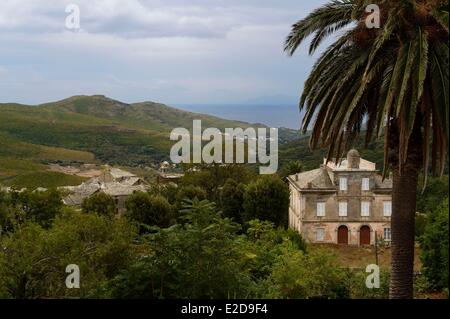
(115, 132)
(298, 149)
(87, 129)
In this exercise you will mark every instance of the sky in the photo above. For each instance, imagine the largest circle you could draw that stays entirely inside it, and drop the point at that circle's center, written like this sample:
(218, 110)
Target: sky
(178, 52)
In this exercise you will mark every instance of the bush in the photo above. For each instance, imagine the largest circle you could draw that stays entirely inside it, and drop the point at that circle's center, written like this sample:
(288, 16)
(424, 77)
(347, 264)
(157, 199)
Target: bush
(232, 200)
(189, 192)
(204, 259)
(101, 204)
(267, 199)
(149, 210)
(291, 168)
(33, 260)
(297, 275)
(40, 207)
(212, 177)
(435, 247)
(265, 245)
(359, 289)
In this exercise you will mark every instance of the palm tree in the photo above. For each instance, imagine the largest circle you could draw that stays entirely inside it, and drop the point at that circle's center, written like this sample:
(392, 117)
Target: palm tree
(391, 80)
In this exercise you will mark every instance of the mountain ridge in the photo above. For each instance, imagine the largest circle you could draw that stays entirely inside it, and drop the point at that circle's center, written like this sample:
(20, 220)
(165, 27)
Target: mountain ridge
(107, 130)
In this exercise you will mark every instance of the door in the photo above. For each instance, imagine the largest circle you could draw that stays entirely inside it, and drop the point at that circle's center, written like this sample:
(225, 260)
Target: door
(364, 236)
(343, 235)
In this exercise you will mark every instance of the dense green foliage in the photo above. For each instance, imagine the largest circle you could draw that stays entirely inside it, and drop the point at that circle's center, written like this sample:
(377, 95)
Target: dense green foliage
(202, 254)
(34, 260)
(232, 200)
(435, 247)
(99, 203)
(290, 168)
(436, 190)
(39, 207)
(149, 210)
(189, 192)
(212, 177)
(267, 198)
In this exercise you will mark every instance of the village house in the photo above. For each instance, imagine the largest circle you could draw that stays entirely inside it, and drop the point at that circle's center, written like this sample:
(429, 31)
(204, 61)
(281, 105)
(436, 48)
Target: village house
(341, 203)
(117, 183)
(167, 176)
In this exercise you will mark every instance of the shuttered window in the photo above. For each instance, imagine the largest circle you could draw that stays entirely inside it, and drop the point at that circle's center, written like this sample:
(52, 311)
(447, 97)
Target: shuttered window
(365, 209)
(343, 184)
(365, 185)
(320, 209)
(387, 234)
(387, 209)
(343, 209)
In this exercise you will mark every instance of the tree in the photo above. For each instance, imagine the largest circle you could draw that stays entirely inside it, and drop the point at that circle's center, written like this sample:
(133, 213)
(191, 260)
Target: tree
(40, 207)
(267, 199)
(434, 244)
(168, 191)
(436, 190)
(99, 203)
(149, 210)
(212, 177)
(33, 260)
(291, 168)
(203, 258)
(232, 200)
(189, 192)
(392, 79)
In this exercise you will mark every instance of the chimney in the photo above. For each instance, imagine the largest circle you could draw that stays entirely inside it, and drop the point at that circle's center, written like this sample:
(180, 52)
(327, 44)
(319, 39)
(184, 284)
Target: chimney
(353, 159)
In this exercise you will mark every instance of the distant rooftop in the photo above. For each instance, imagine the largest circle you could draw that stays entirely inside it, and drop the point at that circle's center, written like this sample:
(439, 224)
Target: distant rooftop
(119, 173)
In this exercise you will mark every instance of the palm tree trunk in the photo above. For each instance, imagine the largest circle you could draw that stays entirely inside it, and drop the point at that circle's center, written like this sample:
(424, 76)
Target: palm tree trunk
(404, 194)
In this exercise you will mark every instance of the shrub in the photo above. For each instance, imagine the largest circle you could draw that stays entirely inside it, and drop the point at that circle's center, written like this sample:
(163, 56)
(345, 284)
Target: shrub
(100, 203)
(435, 247)
(149, 210)
(267, 199)
(299, 275)
(232, 200)
(33, 260)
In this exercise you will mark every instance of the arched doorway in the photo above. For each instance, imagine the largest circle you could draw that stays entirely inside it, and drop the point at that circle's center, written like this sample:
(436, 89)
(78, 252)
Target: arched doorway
(364, 236)
(343, 235)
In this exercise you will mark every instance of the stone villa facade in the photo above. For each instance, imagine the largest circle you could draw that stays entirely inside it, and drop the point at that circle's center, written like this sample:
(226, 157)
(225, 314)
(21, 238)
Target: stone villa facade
(346, 203)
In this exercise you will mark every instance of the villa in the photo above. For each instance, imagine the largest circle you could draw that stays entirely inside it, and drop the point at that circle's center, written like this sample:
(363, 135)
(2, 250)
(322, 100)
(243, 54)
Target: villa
(341, 203)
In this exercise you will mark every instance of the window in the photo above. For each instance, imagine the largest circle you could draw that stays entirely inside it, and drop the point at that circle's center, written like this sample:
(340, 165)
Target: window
(320, 209)
(387, 234)
(387, 209)
(365, 209)
(320, 234)
(342, 209)
(365, 186)
(343, 184)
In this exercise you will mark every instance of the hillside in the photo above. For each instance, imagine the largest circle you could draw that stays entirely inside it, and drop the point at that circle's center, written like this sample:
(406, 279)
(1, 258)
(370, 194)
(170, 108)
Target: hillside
(85, 129)
(298, 149)
(97, 129)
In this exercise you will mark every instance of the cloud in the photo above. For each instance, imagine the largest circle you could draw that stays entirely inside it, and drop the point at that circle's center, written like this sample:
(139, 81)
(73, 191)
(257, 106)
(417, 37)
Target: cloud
(167, 50)
(139, 18)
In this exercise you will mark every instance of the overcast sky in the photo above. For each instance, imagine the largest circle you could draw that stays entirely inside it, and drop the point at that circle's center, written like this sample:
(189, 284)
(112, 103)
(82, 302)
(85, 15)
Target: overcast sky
(171, 51)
